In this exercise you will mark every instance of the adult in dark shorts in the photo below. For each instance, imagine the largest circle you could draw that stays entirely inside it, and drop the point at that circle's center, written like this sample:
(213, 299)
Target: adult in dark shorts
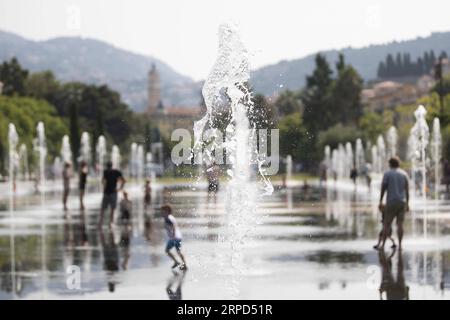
(395, 184)
(82, 179)
(110, 179)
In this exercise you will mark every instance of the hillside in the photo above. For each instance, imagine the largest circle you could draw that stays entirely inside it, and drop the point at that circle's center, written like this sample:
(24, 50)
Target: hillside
(291, 74)
(93, 61)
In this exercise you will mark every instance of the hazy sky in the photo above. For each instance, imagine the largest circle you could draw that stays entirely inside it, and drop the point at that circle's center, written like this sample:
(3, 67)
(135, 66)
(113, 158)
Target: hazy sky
(183, 32)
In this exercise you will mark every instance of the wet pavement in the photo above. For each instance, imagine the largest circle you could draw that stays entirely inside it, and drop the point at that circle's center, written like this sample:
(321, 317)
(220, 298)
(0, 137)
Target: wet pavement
(305, 244)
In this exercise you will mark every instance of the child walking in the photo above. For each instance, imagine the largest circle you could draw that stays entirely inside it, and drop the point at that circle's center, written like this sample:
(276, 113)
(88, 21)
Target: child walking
(125, 208)
(174, 237)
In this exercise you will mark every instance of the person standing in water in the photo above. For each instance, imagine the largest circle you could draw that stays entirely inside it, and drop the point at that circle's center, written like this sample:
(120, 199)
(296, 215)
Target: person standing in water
(82, 179)
(110, 179)
(174, 236)
(395, 184)
(66, 175)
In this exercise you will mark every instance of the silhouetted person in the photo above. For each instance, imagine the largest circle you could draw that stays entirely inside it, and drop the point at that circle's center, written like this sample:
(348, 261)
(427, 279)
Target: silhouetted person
(354, 175)
(147, 194)
(395, 289)
(125, 208)
(395, 184)
(110, 179)
(66, 175)
(82, 179)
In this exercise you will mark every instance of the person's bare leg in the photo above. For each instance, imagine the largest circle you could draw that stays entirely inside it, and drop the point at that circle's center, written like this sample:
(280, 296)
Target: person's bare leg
(380, 237)
(65, 196)
(170, 254)
(400, 232)
(82, 199)
(100, 220)
(386, 227)
(111, 218)
(181, 256)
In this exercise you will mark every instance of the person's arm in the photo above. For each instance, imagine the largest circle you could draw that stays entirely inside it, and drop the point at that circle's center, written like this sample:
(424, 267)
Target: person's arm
(407, 193)
(122, 182)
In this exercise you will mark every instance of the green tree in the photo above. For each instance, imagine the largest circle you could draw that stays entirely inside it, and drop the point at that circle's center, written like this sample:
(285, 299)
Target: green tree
(25, 113)
(346, 94)
(337, 134)
(41, 85)
(261, 116)
(74, 131)
(13, 77)
(317, 112)
(287, 102)
(292, 137)
(371, 125)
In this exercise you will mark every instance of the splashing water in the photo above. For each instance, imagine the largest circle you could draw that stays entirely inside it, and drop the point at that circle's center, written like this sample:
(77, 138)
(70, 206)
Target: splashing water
(41, 147)
(85, 154)
(115, 157)
(360, 160)
(140, 161)
(23, 158)
(226, 89)
(13, 140)
(101, 153)
(66, 152)
(392, 140)
(421, 135)
(381, 147)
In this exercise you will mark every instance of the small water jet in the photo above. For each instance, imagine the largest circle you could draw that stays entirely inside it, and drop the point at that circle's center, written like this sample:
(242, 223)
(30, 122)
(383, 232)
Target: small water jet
(226, 88)
(41, 148)
(392, 141)
(101, 153)
(23, 164)
(288, 169)
(115, 157)
(13, 140)
(85, 148)
(421, 134)
(436, 145)
(66, 152)
(360, 159)
(381, 148)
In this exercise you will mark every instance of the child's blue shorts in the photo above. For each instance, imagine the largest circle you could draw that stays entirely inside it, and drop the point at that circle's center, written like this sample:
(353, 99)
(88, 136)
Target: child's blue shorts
(173, 243)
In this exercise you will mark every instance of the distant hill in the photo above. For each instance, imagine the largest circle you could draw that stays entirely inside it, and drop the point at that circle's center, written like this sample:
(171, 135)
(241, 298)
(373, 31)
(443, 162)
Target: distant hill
(291, 74)
(93, 61)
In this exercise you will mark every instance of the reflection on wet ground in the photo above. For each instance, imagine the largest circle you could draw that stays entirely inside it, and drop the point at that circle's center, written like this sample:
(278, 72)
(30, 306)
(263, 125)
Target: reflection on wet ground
(308, 244)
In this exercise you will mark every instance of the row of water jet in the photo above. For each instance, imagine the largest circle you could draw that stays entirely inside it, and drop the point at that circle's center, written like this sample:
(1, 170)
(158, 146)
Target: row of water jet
(225, 89)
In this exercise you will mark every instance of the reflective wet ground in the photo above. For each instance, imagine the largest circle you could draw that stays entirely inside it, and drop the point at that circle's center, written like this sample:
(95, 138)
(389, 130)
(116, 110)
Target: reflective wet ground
(308, 244)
